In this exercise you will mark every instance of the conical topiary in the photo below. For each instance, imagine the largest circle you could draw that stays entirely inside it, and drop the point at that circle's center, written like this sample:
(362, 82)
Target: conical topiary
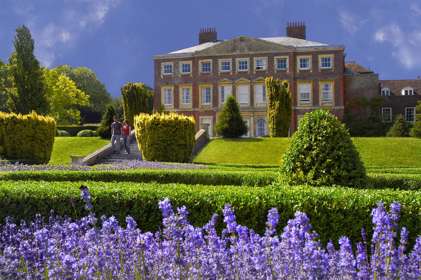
(322, 153)
(230, 124)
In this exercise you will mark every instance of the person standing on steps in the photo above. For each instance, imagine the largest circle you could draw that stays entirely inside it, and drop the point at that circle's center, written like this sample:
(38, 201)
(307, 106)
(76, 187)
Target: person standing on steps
(126, 136)
(116, 129)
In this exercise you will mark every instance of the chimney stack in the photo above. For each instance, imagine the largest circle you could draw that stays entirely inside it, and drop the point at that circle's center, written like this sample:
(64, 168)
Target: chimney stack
(208, 35)
(296, 29)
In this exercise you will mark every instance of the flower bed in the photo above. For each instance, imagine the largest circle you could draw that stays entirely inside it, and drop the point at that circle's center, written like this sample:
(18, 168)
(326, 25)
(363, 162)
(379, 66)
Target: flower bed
(91, 249)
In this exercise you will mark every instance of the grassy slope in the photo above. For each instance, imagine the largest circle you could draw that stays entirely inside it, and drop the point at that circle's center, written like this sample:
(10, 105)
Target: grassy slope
(64, 147)
(375, 152)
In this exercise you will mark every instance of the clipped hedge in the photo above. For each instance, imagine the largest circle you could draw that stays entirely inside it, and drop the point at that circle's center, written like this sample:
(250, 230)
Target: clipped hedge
(165, 137)
(87, 133)
(62, 133)
(333, 212)
(26, 138)
(74, 129)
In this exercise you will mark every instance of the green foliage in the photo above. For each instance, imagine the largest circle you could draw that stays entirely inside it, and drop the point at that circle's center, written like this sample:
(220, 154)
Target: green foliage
(400, 128)
(74, 129)
(322, 153)
(63, 97)
(26, 138)
(137, 98)
(28, 77)
(362, 117)
(165, 137)
(334, 212)
(87, 133)
(416, 129)
(87, 81)
(6, 86)
(62, 133)
(230, 122)
(104, 130)
(279, 107)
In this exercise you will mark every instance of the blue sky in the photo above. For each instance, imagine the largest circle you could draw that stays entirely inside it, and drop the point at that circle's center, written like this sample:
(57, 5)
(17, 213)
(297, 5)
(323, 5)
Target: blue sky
(118, 38)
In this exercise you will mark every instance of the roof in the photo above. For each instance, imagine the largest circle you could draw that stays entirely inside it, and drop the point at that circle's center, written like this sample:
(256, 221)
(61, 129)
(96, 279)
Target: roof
(396, 86)
(244, 44)
(356, 68)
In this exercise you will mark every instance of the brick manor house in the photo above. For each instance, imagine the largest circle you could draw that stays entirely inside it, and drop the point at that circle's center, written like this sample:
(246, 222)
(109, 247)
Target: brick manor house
(197, 80)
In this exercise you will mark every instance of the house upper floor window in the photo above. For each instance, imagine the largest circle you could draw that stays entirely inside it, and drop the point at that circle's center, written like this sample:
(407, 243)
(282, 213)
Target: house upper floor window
(304, 93)
(260, 63)
(243, 94)
(242, 64)
(225, 65)
(186, 96)
(281, 63)
(206, 95)
(410, 114)
(167, 68)
(326, 61)
(326, 89)
(224, 92)
(260, 94)
(385, 91)
(304, 63)
(407, 91)
(206, 66)
(185, 67)
(386, 114)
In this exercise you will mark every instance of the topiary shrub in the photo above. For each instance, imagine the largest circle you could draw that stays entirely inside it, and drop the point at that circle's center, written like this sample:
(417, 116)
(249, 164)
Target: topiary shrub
(26, 138)
(137, 98)
(400, 128)
(62, 133)
(322, 153)
(279, 107)
(104, 130)
(87, 133)
(416, 129)
(230, 122)
(165, 137)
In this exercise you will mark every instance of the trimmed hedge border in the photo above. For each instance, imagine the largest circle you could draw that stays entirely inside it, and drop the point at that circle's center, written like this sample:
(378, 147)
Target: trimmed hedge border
(333, 211)
(73, 130)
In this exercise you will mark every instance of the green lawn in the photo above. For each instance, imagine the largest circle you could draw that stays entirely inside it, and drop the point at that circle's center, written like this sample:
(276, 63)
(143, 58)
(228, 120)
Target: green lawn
(376, 152)
(64, 147)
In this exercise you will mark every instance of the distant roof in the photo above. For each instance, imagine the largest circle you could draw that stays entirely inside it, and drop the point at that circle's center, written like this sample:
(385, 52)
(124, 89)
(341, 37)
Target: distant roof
(357, 68)
(294, 42)
(395, 86)
(197, 48)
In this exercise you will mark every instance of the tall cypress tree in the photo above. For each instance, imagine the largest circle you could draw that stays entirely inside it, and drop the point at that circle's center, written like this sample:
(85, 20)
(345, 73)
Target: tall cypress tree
(28, 76)
(230, 122)
(137, 98)
(279, 107)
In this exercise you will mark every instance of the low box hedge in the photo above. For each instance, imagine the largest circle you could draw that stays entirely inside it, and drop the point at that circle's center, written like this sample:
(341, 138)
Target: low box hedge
(333, 211)
(73, 130)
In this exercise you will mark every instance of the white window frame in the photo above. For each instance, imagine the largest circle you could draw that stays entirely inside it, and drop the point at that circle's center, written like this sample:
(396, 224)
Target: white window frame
(321, 57)
(181, 93)
(163, 64)
(407, 109)
(238, 60)
(185, 63)
(264, 127)
(407, 91)
(209, 121)
(276, 63)
(322, 91)
(385, 91)
(221, 61)
(201, 62)
(201, 88)
(299, 62)
(237, 93)
(301, 102)
(263, 98)
(225, 86)
(164, 96)
(383, 109)
(248, 125)
(264, 61)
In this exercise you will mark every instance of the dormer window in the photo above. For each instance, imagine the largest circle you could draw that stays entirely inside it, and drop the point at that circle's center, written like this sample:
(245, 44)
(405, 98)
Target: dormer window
(385, 91)
(407, 91)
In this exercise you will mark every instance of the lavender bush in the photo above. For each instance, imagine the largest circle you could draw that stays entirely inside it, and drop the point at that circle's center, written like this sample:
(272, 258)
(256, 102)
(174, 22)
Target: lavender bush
(89, 249)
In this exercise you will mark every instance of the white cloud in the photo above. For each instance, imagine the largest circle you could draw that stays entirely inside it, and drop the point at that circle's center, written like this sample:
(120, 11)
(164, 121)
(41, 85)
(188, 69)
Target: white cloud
(405, 45)
(415, 9)
(350, 22)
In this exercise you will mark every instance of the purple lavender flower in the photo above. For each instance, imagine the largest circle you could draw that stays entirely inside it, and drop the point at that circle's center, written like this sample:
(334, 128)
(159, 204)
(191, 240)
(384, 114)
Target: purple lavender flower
(86, 196)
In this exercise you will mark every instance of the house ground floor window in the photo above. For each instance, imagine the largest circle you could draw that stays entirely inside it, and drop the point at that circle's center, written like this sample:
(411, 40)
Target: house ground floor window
(261, 127)
(386, 114)
(410, 114)
(247, 121)
(206, 124)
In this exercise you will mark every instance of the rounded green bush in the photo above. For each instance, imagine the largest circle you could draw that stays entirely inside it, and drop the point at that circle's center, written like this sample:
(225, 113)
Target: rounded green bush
(322, 153)
(62, 133)
(87, 133)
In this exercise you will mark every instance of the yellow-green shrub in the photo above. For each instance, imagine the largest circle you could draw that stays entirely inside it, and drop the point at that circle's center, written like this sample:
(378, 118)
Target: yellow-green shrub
(165, 137)
(26, 138)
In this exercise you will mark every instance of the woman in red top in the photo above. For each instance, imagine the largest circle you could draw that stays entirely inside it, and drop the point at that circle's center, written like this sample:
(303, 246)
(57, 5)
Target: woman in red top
(125, 130)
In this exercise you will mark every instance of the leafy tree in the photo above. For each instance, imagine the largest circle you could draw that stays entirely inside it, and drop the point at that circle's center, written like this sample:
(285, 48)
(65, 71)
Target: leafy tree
(279, 107)
(5, 85)
(230, 122)
(104, 131)
(64, 97)
(416, 129)
(137, 98)
(322, 153)
(400, 128)
(87, 81)
(28, 76)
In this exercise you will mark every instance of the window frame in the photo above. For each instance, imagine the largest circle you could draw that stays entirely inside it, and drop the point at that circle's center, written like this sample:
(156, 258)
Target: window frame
(413, 109)
(385, 91)
(238, 60)
(163, 96)
(201, 87)
(163, 64)
(265, 63)
(276, 63)
(210, 118)
(410, 90)
(299, 68)
(264, 100)
(185, 63)
(225, 94)
(203, 61)
(248, 125)
(222, 60)
(257, 134)
(382, 114)
(299, 101)
(181, 89)
(323, 102)
(237, 94)
(321, 57)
